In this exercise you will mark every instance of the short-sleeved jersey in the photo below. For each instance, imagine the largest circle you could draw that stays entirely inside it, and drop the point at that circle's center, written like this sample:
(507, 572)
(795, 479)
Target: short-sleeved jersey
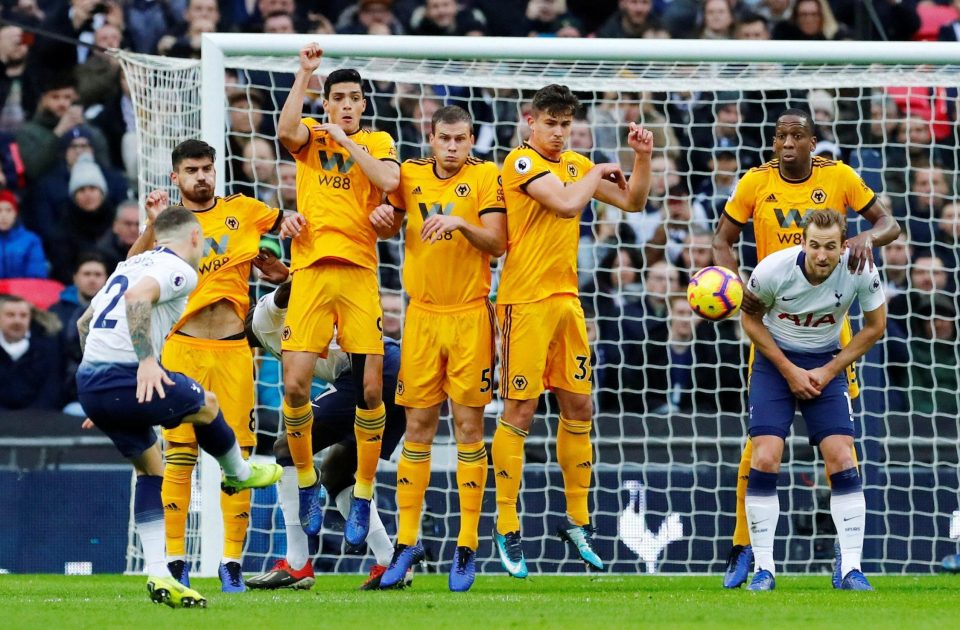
(336, 199)
(807, 318)
(267, 326)
(232, 228)
(541, 247)
(109, 339)
(777, 205)
(449, 271)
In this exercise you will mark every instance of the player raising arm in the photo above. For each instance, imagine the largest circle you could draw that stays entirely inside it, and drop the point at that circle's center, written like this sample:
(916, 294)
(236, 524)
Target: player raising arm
(342, 171)
(544, 333)
(805, 292)
(126, 392)
(776, 196)
(455, 221)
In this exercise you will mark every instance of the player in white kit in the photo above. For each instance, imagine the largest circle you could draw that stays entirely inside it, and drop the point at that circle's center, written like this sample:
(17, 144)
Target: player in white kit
(126, 392)
(806, 292)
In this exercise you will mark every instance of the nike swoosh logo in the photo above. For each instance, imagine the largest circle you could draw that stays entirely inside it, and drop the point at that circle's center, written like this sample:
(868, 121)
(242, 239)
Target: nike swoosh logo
(850, 518)
(759, 522)
(787, 299)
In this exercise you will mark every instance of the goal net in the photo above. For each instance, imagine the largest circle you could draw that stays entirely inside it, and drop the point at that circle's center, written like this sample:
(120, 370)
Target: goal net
(670, 390)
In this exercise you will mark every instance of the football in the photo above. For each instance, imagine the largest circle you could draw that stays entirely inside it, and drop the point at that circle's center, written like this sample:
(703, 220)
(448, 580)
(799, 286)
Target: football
(715, 293)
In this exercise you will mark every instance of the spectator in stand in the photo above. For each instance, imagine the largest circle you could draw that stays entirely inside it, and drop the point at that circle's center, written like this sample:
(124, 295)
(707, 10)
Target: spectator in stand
(664, 175)
(259, 168)
(445, 17)
(202, 16)
(751, 26)
(278, 23)
(551, 18)
(29, 356)
(48, 196)
(929, 191)
(775, 11)
(114, 246)
(98, 78)
(713, 192)
(245, 108)
(682, 217)
(74, 20)
(692, 364)
(13, 62)
(946, 239)
(392, 304)
(285, 196)
(89, 277)
(726, 134)
(810, 20)
(148, 22)
(892, 20)
(718, 20)
(631, 19)
(934, 365)
(88, 215)
(57, 113)
(896, 258)
(21, 252)
(370, 17)
(950, 32)
(927, 276)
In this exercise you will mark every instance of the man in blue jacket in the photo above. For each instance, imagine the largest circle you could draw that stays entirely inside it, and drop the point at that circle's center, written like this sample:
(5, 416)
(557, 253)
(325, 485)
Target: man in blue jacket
(21, 253)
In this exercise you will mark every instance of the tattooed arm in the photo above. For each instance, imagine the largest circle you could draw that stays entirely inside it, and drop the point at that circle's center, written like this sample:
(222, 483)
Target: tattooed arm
(139, 300)
(83, 327)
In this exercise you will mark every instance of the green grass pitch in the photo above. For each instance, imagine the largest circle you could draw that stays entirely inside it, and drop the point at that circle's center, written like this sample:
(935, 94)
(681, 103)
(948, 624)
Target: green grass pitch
(51, 602)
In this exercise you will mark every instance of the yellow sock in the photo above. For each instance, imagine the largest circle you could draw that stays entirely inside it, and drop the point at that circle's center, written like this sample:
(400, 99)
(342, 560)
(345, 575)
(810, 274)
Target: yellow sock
(575, 456)
(175, 493)
(413, 477)
(508, 472)
(472, 482)
(299, 424)
(368, 428)
(236, 518)
(741, 533)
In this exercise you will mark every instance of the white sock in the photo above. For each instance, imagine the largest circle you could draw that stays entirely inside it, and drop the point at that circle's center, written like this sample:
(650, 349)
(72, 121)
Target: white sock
(175, 558)
(849, 512)
(153, 540)
(234, 465)
(225, 560)
(298, 552)
(377, 540)
(763, 512)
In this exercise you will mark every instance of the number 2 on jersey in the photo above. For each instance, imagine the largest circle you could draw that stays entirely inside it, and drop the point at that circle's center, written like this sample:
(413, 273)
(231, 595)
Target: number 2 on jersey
(102, 321)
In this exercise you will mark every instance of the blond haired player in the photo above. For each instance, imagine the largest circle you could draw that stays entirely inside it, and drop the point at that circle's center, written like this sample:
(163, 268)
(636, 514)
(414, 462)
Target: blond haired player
(455, 221)
(208, 344)
(776, 196)
(342, 173)
(542, 324)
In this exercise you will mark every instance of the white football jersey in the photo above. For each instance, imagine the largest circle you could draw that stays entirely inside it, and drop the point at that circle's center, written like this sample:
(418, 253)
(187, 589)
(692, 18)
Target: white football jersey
(807, 318)
(267, 327)
(109, 339)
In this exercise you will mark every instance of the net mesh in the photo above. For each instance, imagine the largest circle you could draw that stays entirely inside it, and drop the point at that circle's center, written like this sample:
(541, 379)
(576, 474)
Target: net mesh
(670, 419)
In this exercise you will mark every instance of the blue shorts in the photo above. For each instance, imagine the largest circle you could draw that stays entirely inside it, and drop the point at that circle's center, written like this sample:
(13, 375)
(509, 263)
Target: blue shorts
(108, 395)
(335, 409)
(773, 405)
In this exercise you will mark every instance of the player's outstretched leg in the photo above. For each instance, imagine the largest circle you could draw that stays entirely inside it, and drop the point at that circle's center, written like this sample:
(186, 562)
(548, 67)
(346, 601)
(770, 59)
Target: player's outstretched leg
(740, 559)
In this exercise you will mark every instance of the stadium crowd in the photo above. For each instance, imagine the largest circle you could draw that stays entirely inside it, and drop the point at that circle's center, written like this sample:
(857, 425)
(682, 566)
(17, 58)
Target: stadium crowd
(68, 171)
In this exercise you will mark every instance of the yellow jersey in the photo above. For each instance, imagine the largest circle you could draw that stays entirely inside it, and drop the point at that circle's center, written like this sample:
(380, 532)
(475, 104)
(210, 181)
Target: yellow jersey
(336, 199)
(232, 228)
(449, 271)
(777, 205)
(541, 247)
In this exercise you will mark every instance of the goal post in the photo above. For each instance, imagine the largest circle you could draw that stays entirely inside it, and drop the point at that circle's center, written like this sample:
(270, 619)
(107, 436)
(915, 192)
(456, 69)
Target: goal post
(667, 447)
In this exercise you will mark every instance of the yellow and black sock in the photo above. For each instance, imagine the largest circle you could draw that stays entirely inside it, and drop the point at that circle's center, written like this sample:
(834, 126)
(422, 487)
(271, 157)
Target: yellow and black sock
(368, 429)
(236, 518)
(471, 481)
(175, 493)
(299, 425)
(413, 477)
(508, 473)
(741, 532)
(575, 456)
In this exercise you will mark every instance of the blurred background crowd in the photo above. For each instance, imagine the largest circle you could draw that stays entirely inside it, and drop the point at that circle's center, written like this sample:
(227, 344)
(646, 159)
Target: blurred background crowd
(68, 172)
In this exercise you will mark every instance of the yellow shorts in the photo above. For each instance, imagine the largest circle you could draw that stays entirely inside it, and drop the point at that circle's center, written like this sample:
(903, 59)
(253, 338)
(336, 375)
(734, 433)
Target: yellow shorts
(226, 369)
(326, 295)
(846, 334)
(543, 345)
(448, 352)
